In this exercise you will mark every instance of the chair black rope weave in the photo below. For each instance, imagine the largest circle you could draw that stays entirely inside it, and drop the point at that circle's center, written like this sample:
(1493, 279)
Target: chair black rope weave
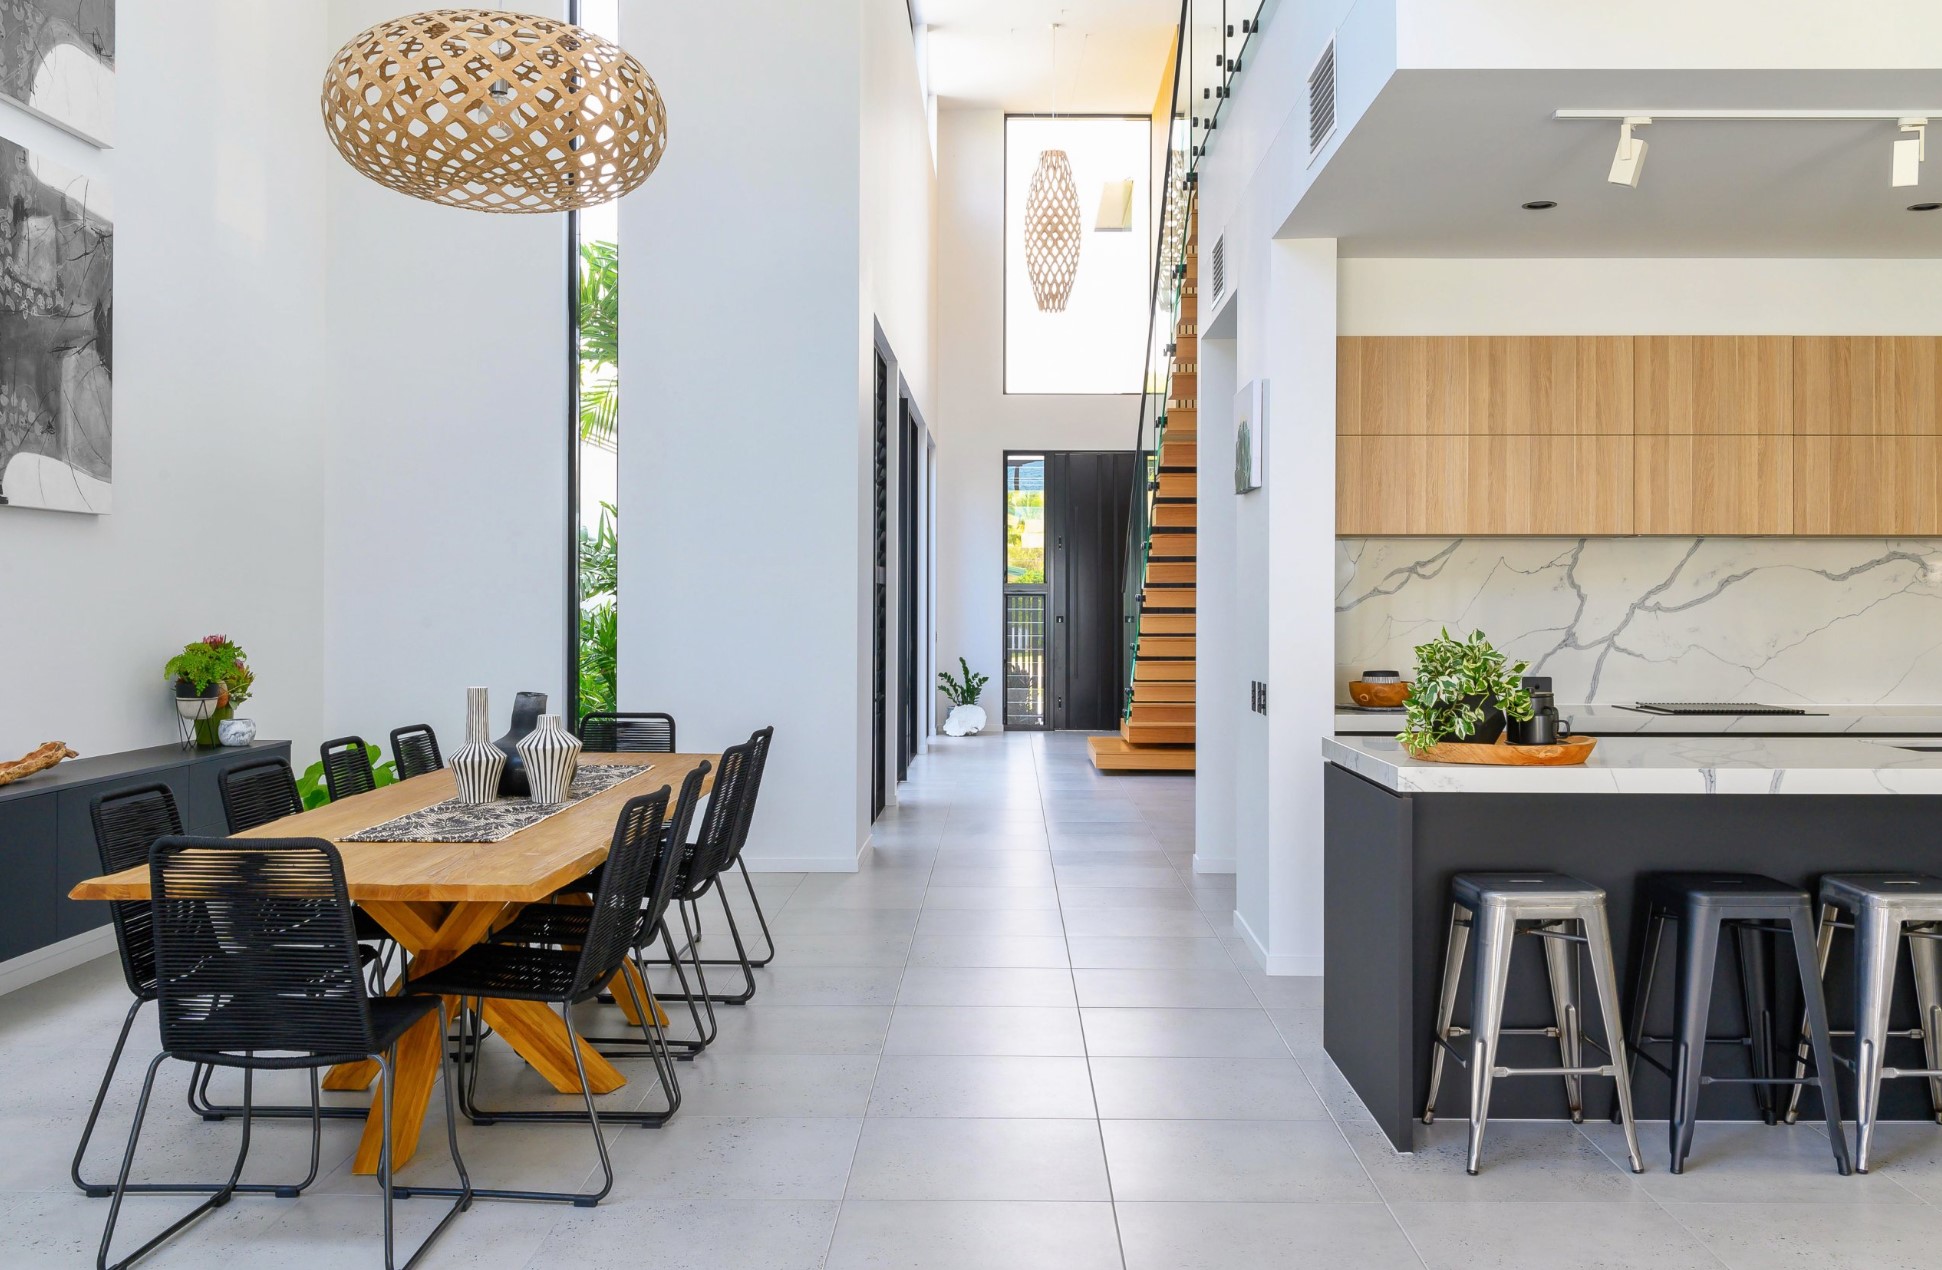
(630, 732)
(257, 968)
(347, 767)
(724, 833)
(414, 751)
(638, 865)
(126, 825)
(565, 925)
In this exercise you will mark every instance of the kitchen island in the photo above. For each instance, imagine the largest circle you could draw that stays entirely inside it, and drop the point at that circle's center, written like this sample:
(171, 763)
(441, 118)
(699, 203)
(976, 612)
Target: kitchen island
(1397, 829)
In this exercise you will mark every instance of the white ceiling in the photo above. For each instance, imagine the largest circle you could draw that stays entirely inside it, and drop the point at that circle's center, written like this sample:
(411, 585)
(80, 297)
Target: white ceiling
(998, 53)
(1441, 161)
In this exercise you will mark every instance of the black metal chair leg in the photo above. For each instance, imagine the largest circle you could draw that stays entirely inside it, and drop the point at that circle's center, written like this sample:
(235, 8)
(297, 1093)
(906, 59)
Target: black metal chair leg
(221, 1196)
(200, 1103)
(1756, 995)
(581, 1199)
(1645, 954)
(768, 940)
(1698, 957)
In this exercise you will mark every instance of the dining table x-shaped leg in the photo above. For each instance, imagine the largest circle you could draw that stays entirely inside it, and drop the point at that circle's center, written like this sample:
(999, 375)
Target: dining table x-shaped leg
(434, 933)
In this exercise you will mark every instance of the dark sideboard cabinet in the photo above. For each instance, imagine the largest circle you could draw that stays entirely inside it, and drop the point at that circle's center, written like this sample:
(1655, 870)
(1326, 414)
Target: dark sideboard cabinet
(47, 837)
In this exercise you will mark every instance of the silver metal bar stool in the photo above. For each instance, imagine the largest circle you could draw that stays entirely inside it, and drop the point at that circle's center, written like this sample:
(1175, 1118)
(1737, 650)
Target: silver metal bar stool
(1885, 910)
(1564, 912)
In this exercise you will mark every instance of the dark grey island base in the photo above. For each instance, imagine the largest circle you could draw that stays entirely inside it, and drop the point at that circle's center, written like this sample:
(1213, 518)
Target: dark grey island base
(1388, 860)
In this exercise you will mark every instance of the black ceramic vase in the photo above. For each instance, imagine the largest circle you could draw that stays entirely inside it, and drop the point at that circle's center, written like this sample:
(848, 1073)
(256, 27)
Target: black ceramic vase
(527, 707)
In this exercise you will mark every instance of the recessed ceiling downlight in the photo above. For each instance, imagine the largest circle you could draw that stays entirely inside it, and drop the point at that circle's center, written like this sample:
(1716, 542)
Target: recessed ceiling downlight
(1540, 205)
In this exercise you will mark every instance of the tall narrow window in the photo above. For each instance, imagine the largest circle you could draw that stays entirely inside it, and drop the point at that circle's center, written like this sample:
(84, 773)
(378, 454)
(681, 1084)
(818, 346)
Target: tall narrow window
(1094, 341)
(594, 280)
(1027, 597)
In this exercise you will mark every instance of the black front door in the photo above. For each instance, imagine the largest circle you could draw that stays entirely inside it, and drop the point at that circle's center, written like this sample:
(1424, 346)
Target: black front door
(1089, 496)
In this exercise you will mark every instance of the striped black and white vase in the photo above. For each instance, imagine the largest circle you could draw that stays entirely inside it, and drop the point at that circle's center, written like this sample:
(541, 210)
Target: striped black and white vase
(478, 766)
(552, 756)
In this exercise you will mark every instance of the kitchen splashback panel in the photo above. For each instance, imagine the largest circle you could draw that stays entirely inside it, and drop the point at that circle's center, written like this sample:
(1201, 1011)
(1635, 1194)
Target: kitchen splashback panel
(1834, 621)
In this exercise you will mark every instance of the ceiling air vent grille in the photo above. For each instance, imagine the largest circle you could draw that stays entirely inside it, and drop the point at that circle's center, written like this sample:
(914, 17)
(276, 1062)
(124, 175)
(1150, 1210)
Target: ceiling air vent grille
(1321, 101)
(1217, 267)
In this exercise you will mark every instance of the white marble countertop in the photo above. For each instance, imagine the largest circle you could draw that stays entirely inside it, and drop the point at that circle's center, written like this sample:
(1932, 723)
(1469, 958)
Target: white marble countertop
(1665, 765)
(1611, 720)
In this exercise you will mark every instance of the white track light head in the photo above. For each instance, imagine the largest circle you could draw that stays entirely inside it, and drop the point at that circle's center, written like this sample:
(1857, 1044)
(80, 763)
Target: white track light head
(1629, 162)
(1909, 153)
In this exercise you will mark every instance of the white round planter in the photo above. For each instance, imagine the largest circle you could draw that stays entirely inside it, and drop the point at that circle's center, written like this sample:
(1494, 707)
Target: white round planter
(234, 732)
(964, 721)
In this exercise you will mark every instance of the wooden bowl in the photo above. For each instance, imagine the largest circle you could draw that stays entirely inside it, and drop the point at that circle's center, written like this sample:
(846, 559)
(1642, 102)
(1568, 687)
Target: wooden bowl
(1571, 751)
(1383, 696)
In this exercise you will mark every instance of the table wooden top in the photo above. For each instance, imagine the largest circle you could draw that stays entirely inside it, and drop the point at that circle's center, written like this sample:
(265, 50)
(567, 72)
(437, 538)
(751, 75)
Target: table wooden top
(525, 868)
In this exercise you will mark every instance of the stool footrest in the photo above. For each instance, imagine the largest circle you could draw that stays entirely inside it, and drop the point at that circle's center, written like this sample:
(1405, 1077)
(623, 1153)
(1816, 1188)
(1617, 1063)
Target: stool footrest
(1759, 1080)
(1606, 1070)
(1711, 1040)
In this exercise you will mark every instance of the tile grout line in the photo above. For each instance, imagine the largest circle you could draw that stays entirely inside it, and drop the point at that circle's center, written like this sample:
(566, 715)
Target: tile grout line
(1085, 1045)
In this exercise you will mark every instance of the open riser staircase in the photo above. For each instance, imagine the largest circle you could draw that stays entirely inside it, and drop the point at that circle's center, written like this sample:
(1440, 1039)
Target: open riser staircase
(1157, 732)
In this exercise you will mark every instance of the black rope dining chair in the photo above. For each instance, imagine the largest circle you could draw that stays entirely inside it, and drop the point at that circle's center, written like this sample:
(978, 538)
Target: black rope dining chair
(257, 969)
(347, 767)
(638, 865)
(126, 825)
(724, 832)
(414, 750)
(565, 925)
(630, 732)
(259, 793)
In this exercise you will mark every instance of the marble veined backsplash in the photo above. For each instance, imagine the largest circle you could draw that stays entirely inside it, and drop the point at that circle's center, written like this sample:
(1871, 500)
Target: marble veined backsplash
(1830, 621)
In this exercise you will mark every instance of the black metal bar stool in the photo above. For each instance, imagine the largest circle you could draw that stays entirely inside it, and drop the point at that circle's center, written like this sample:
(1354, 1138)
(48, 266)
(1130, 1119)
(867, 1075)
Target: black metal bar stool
(1755, 909)
(1885, 910)
(1548, 906)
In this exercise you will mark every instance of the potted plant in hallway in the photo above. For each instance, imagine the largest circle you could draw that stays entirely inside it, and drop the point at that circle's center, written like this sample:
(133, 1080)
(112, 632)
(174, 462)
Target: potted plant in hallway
(967, 717)
(1464, 690)
(212, 677)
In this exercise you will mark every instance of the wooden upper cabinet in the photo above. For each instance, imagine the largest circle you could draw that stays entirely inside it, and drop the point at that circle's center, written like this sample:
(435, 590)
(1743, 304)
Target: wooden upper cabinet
(1512, 385)
(1413, 485)
(1848, 385)
(1877, 487)
(1714, 385)
(1724, 485)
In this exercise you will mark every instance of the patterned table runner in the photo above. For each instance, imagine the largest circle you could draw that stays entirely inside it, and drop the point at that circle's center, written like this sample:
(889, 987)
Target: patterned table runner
(453, 821)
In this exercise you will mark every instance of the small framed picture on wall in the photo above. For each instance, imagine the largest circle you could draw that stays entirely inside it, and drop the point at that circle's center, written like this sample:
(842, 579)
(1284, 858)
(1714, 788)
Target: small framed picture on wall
(1250, 436)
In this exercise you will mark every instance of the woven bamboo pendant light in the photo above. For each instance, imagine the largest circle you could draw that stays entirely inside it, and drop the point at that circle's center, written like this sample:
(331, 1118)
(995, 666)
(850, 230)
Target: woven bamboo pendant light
(493, 111)
(1054, 227)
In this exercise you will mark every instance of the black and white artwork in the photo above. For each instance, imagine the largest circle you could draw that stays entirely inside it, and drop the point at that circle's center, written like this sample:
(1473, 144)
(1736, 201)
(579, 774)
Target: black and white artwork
(57, 242)
(57, 59)
(454, 821)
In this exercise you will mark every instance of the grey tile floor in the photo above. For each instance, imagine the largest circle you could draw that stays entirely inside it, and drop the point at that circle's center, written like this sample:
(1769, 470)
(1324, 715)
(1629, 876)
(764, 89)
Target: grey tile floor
(1022, 1036)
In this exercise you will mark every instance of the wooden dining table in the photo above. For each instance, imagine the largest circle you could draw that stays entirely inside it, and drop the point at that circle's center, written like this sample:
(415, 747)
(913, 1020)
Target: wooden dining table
(438, 899)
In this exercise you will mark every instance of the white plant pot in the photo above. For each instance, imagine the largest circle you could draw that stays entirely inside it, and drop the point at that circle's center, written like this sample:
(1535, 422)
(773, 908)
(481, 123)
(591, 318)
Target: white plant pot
(964, 721)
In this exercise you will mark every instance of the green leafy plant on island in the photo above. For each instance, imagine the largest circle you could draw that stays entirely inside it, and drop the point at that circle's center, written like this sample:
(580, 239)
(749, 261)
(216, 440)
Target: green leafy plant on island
(962, 692)
(315, 793)
(1458, 683)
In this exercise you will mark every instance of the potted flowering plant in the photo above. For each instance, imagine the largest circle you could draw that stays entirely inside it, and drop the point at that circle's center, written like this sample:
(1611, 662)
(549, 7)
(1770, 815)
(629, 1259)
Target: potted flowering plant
(212, 677)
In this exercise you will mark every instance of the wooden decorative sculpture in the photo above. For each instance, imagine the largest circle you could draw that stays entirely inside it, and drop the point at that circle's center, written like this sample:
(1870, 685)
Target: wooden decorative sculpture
(37, 761)
(1053, 232)
(496, 112)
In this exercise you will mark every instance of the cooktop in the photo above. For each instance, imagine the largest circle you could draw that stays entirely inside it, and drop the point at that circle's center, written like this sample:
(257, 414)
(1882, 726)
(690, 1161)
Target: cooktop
(1713, 707)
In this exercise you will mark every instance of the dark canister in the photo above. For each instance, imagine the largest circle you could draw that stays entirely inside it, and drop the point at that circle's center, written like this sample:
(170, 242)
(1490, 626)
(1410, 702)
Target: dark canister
(1544, 727)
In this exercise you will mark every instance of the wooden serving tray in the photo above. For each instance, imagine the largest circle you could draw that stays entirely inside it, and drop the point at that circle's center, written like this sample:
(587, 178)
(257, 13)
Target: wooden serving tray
(1572, 751)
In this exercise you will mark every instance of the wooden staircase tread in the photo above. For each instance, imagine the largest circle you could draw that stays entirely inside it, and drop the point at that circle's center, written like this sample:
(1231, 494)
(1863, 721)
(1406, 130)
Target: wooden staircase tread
(1113, 754)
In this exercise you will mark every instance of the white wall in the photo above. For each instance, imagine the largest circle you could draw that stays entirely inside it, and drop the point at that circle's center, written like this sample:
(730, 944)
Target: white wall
(898, 209)
(1700, 34)
(445, 560)
(217, 185)
(975, 422)
(745, 414)
(1637, 297)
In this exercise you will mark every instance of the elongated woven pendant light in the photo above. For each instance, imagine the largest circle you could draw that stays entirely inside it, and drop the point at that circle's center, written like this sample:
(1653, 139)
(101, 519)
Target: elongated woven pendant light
(493, 111)
(1054, 231)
